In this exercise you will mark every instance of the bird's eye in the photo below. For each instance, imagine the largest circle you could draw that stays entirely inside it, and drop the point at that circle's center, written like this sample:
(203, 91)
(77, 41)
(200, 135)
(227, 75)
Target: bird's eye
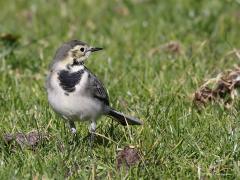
(82, 49)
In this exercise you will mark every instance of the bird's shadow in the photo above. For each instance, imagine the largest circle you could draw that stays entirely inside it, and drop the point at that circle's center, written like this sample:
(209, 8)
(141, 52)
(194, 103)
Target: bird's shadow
(108, 135)
(103, 137)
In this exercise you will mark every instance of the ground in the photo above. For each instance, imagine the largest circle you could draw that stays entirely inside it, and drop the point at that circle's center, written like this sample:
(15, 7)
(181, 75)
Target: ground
(156, 55)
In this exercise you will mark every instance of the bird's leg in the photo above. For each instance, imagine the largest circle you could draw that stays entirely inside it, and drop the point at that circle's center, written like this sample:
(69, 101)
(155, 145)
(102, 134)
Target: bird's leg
(92, 129)
(72, 127)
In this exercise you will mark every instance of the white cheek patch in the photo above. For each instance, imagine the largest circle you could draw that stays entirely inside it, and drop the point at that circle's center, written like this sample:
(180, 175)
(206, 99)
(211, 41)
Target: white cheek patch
(83, 58)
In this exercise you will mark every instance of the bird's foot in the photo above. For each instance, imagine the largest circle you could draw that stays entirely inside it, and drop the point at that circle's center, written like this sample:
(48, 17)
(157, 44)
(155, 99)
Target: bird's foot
(72, 128)
(91, 140)
(92, 129)
(73, 131)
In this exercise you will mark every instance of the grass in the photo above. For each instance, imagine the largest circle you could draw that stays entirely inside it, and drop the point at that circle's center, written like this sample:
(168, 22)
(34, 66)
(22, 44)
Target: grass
(176, 141)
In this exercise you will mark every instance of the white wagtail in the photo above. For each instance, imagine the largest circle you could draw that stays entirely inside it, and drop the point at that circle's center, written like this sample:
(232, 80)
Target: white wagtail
(76, 93)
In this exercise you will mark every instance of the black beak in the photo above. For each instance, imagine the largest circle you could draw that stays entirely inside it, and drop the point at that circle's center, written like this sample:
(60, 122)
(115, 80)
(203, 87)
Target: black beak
(95, 49)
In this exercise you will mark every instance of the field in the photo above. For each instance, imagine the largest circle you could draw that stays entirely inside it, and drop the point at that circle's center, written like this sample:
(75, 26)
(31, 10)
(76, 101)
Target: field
(156, 55)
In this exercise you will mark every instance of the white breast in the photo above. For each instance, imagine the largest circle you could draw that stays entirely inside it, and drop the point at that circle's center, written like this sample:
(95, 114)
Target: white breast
(78, 104)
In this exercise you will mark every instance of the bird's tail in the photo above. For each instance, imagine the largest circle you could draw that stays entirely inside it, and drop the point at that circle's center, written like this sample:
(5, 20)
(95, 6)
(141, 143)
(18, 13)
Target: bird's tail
(123, 119)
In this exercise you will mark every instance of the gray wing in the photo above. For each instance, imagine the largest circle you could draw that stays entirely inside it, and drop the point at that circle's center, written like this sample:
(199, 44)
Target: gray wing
(97, 89)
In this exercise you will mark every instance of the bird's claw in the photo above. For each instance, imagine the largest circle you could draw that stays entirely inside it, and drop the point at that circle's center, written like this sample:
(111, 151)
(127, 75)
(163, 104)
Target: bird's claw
(73, 131)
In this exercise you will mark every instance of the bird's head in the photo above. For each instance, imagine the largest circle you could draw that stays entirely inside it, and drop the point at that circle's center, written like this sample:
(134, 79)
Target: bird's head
(73, 53)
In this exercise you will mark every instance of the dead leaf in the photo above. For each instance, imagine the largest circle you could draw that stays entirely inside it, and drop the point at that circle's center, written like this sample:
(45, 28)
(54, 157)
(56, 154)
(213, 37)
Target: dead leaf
(203, 96)
(10, 38)
(224, 89)
(8, 138)
(21, 139)
(172, 47)
(122, 10)
(31, 139)
(128, 157)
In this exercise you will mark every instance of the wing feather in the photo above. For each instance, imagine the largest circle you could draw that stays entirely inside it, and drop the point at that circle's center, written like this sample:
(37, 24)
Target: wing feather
(96, 88)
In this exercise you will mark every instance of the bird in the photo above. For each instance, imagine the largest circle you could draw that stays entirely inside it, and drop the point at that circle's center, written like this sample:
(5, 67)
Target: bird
(75, 92)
